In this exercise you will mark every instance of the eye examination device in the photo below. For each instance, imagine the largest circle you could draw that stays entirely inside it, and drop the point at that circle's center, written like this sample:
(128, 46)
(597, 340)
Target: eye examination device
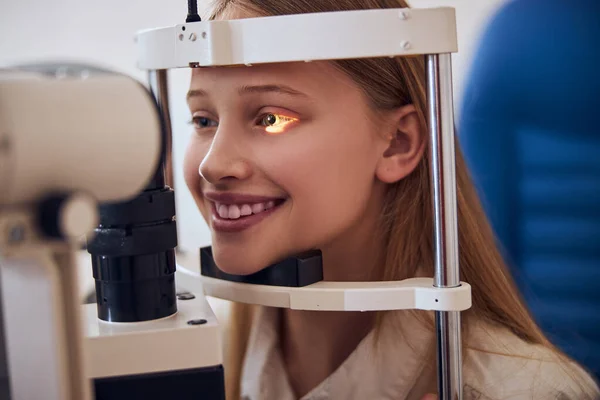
(86, 169)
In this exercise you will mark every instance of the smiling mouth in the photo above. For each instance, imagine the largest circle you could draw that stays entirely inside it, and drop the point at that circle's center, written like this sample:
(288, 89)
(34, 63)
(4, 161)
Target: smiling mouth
(235, 212)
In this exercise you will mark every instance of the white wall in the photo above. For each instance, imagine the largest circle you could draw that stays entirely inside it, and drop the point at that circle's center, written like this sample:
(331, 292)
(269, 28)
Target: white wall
(101, 32)
(471, 17)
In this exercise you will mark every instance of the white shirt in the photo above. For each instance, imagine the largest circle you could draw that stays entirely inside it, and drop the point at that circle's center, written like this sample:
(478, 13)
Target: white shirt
(496, 365)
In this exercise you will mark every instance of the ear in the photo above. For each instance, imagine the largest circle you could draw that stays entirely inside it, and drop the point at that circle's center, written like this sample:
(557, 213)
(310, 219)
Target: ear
(404, 145)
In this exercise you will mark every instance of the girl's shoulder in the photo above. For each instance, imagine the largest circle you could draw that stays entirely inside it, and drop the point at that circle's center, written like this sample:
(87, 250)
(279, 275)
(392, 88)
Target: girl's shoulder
(500, 365)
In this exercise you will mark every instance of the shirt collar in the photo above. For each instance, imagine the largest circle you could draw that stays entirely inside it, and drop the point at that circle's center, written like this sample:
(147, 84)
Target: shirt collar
(383, 367)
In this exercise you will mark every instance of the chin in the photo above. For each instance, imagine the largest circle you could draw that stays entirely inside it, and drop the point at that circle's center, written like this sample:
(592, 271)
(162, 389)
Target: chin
(240, 262)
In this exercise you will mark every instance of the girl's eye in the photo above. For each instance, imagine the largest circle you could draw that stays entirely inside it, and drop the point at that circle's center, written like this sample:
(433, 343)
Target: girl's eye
(275, 123)
(203, 122)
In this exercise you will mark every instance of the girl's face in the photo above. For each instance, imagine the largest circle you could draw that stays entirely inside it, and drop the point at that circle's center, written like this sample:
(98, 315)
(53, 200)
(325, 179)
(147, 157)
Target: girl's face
(283, 159)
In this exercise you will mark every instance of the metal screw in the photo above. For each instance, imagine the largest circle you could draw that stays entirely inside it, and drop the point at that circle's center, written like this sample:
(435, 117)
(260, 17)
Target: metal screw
(193, 37)
(405, 45)
(197, 322)
(404, 15)
(185, 296)
(203, 35)
(16, 234)
(180, 36)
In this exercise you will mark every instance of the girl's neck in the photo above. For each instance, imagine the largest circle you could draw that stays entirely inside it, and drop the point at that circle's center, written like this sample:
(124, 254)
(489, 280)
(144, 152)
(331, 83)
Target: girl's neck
(315, 343)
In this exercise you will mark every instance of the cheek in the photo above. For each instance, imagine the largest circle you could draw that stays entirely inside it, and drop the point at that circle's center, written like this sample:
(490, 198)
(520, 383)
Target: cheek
(329, 179)
(337, 182)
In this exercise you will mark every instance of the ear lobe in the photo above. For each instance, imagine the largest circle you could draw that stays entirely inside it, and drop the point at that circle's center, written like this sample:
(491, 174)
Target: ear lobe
(404, 146)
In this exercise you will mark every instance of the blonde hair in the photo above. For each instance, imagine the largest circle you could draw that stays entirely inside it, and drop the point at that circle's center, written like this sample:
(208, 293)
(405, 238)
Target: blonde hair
(407, 218)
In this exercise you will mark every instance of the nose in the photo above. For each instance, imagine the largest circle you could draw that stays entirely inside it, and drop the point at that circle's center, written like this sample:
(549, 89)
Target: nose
(225, 160)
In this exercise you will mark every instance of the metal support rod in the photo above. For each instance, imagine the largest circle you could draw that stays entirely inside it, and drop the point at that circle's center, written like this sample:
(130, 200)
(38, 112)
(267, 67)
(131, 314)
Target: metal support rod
(159, 85)
(443, 183)
(42, 323)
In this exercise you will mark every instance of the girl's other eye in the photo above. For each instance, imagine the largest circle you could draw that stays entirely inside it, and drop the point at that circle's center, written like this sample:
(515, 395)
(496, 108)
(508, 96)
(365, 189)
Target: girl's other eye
(276, 123)
(203, 122)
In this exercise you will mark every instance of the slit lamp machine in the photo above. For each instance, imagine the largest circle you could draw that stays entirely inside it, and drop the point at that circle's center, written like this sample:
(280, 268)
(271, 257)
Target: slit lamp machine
(146, 337)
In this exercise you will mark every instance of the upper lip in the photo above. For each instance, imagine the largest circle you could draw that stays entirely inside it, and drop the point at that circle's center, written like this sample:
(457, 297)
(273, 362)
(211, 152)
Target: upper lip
(237, 198)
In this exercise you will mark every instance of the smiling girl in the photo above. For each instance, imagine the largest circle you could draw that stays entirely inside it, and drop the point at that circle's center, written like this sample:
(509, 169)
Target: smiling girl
(332, 156)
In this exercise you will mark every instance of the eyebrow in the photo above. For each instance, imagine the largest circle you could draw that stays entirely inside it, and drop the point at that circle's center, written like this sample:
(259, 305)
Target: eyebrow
(244, 90)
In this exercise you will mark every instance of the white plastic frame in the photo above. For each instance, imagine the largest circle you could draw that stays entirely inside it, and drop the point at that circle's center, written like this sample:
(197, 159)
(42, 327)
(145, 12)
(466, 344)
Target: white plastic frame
(308, 37)
(414, 293)
(305, 37)
(347, 35)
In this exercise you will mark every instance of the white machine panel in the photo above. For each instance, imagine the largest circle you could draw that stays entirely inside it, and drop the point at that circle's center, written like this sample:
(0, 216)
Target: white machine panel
(303, 37)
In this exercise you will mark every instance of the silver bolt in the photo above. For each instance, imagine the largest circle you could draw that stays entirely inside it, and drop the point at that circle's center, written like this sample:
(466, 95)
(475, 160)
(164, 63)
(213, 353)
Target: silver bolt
(181, 37)
(404, 15)
(405, 45)
(193, 37)
(16, 234)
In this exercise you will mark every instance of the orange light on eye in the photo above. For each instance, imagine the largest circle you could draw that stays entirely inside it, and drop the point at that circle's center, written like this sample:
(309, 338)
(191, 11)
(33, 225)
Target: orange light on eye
(280, 126)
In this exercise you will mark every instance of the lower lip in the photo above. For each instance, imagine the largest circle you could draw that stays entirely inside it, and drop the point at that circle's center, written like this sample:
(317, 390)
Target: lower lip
(238, 225)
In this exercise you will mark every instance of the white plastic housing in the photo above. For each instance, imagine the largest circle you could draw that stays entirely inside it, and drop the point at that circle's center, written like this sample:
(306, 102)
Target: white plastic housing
(415, 293)
(168, 344)
(303, 37)
(100, 135)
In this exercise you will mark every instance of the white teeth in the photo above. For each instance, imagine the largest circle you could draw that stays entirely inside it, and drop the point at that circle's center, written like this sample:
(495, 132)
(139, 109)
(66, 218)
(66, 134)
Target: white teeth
(223, 210)
(235, 211)
(246, 210)
(258, 207)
